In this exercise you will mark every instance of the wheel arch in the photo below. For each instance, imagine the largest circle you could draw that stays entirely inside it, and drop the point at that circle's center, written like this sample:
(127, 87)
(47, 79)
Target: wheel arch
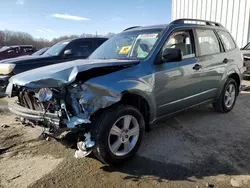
(232, 73)
(142, 103)
(237, 79)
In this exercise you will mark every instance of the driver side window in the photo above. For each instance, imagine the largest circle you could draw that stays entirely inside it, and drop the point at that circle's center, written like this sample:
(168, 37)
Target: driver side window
(181, 40)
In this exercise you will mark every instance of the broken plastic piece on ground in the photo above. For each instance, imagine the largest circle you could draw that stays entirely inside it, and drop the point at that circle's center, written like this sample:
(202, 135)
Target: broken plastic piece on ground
(4, 126)
(84, 147)
(87, 144)
(82, 154)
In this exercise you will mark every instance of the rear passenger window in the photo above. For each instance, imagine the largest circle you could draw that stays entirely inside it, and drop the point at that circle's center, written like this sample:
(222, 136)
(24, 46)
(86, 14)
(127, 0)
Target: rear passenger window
(227, 40)
(208, 42)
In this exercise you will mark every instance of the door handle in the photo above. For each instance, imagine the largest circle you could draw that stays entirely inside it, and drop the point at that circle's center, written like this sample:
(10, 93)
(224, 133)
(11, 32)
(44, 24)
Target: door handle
(225, 60)
(197, 67)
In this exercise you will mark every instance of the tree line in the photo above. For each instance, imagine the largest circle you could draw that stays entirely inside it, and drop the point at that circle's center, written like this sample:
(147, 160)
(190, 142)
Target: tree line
(10, 38)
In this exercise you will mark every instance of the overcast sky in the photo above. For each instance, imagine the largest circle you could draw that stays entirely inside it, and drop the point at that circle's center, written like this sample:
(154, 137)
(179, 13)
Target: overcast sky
(53, 18)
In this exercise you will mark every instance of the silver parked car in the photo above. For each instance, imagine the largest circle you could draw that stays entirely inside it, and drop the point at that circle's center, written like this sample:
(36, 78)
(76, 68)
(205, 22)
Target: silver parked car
(246, 54)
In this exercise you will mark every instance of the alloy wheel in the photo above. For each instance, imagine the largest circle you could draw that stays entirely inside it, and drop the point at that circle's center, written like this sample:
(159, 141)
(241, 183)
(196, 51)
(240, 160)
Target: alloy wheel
(123, 135)
(230, 95)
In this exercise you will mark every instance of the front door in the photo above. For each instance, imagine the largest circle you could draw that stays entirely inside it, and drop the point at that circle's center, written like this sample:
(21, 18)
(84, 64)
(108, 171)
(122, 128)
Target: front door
(178, 84)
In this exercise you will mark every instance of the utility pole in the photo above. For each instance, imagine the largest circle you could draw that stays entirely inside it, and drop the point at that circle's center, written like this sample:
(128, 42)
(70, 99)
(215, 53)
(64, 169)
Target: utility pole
(96, 34)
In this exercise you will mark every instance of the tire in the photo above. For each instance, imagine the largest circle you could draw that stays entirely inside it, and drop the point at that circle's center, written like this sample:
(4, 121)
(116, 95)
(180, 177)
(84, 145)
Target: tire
(105, 138)
(221, 104)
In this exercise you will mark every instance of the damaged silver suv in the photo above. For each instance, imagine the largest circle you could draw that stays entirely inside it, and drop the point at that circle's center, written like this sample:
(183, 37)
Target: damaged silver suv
(134, 79)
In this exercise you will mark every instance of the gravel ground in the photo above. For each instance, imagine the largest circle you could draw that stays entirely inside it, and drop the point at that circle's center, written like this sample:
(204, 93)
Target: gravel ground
(197, 148)
(3, 103)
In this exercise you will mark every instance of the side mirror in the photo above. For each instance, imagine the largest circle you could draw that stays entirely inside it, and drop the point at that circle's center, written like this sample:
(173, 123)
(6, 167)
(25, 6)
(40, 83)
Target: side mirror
(171, 55)
(68, 53)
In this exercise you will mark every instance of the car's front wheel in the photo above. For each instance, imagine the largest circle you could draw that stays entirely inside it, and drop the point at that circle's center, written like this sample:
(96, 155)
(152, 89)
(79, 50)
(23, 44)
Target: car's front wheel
(118, 134)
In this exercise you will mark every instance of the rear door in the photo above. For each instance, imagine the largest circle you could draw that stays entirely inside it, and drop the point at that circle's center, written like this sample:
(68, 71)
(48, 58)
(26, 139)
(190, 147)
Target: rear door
(212, 57)
(232, 52)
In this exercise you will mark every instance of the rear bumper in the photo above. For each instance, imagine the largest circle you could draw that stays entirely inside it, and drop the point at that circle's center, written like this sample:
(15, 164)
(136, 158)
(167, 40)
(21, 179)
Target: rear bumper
(4, 81)
(39, 116)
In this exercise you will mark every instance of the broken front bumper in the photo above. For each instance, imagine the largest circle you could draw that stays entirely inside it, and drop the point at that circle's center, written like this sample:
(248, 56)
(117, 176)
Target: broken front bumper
(35, 115)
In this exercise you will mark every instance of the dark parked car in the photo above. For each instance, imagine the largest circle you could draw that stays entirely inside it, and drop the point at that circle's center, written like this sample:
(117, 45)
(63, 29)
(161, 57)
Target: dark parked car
(67, 50)
(246, 55)
(41, 51)
(134, 79)
(7, 52)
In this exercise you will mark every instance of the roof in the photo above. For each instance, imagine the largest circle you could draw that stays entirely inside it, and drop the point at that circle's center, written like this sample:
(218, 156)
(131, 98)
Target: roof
(83, 38)
(162, 26)
(179, 22)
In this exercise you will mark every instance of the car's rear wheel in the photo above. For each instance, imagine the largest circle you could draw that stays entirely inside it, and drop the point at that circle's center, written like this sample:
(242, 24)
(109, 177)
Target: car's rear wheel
(228, 96)
(118, 134)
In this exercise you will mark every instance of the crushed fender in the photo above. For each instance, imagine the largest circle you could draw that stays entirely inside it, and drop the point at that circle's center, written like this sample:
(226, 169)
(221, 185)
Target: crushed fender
(87, 99)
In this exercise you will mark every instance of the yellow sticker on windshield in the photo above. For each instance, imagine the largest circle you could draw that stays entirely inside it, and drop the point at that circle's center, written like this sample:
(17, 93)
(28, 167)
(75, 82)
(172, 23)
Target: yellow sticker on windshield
(125, 50)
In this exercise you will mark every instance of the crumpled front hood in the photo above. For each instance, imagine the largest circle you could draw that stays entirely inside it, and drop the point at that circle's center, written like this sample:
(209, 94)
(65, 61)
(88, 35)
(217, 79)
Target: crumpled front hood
(62, 74)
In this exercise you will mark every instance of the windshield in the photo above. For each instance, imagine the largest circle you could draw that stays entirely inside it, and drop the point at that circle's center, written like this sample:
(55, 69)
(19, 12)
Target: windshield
(56, 49)
(128, 45)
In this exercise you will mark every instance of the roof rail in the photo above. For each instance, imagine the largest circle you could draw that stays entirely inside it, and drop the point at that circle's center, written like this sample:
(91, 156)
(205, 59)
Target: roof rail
(182, 21)
(131, 28)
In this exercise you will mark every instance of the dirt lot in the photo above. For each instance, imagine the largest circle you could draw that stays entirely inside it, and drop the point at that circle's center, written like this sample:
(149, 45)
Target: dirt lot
(199, 148)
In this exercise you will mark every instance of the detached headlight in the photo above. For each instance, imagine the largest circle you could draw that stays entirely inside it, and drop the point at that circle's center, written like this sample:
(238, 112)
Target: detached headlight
(44, 94)
(6, 68)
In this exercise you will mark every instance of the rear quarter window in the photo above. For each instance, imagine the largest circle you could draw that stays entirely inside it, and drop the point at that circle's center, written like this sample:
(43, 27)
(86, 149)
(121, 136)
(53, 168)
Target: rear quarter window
(227, 40)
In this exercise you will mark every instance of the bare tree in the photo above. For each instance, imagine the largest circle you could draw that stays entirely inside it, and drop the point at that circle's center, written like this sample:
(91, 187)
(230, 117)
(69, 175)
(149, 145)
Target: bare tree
(10, 38)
